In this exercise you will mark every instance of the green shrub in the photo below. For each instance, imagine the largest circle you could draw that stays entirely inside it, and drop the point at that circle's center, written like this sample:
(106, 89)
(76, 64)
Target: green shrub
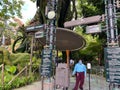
(10, 69)
(5, 56)
(7, 87)
(7, 77)
(21, 58)
(16, 62)
(18, 82)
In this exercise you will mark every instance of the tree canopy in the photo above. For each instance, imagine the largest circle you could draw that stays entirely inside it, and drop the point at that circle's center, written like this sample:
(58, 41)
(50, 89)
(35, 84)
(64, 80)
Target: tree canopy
(10, 9)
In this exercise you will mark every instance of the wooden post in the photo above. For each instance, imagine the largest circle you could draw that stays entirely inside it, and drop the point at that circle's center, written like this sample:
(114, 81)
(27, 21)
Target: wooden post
(26, 72)
(42, 83)
(67, 54)
(31, 55)
(2, 75)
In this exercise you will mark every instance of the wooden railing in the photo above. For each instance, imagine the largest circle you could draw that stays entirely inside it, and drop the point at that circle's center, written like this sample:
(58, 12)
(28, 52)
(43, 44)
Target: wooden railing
(2, 78)
(24, 69)
(27, 71)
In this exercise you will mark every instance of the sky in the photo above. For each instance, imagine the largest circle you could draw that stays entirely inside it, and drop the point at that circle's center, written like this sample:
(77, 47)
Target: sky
(28, 10)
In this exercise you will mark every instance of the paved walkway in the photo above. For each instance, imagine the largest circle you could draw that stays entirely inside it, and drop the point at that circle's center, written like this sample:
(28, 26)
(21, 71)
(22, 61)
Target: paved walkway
(96, 83)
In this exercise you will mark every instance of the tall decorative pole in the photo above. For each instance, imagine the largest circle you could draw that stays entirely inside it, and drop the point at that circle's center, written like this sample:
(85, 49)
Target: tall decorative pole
(47, 54)
(51, 22)
(112, 52)
(51, 27)
(111, 23)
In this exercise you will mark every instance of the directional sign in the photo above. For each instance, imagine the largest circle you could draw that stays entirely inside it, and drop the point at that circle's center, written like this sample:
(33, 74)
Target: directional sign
(112, 64)
(46, 62)
(34, 28)
(39, 34)
(93, 29)
(83, 21)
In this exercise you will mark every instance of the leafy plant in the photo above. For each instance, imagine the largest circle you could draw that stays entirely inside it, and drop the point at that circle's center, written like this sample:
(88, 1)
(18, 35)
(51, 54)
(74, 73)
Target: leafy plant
(10, 69)
(4, 56)
(7, 77)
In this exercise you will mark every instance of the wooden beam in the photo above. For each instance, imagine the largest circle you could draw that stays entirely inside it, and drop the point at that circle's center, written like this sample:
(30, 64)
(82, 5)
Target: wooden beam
(88, 20)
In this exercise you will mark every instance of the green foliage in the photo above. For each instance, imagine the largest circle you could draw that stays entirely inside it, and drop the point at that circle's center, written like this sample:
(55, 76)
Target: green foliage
(7, 77)
(98, 4)
(18, 82)
(36, 61)
(20, 58)
(10, 69)
(86, 8)
(10, 9)
(91, 51)
(13, 59)
(9, 34)
(5, 56)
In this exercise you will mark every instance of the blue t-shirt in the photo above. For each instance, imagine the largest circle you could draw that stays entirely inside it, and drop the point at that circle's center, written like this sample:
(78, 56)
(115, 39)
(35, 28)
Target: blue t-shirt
(79, 67)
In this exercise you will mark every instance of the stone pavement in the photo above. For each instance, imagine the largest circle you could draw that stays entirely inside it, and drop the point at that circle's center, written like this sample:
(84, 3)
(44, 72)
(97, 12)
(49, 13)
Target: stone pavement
(96, 83)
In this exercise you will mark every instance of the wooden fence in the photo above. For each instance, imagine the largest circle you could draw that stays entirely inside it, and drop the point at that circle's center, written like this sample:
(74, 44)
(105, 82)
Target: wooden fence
(25, 70)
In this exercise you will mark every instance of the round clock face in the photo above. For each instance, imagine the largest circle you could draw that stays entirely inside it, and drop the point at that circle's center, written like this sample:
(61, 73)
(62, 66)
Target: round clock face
(51, 14)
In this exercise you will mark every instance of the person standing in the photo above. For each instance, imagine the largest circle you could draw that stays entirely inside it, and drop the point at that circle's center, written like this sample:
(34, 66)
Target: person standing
(71, 63)
(80, 73)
